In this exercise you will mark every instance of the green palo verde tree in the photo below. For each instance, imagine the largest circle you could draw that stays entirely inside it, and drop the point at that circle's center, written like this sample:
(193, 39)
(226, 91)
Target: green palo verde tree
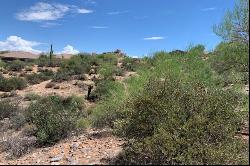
(235, 24)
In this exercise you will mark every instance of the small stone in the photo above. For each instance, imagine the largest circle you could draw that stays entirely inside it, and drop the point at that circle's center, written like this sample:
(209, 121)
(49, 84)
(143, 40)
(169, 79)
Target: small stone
(74, 146)
(57, 158)
(73, 162)
(55, 163)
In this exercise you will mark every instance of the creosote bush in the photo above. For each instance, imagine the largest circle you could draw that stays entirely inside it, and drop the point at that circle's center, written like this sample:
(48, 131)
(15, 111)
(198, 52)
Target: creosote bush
(8, 109)
(12, 83)
(38, 78)
(55, 117)
(177, 122)
(16, 65)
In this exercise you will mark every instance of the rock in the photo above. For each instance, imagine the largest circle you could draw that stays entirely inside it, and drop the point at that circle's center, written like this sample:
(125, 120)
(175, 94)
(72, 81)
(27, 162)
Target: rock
(73, 162)
(74, 146)
(45, 150)
(55, 163)
(92, 71)
(57, 158)
(85, 150)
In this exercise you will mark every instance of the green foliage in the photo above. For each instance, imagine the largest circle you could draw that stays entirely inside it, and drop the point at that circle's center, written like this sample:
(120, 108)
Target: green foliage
(48, 61)
(231, 61)
(108, 58)
(76, 65)
(38, 78)
(61, 75)
(197, 50)
(2, 63)
(16, 65)
(106, 112)
(32, 96)
(54, 117)
(231, 56)
(18, 121)
(172, 121)
(12, 83)
(129, 64)
(7, 109)
(82, 124)
(107, 71)
(235, 24)
(103, 89)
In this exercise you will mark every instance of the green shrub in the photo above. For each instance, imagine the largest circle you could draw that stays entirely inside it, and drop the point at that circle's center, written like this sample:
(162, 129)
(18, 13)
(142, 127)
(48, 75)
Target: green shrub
(197, 50)
(129, 64)
(54, 117)
(118, 72)
(18, 121)
(37, 78)
(44, 60)
(107, 71)
(82, 124)
(8, 109)
(61, 76)
(16, 65)
(18, 146)
(2, 63)
(13, 83)
(32, 96)
(76, 65)
(28, 68)
(109, 58)
(103, 89)
(106, 112)
(231, 56)
(231, 61)
(172, 121)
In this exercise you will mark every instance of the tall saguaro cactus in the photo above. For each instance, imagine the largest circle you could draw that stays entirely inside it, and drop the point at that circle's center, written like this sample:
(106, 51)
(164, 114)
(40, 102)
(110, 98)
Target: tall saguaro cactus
(50, 54)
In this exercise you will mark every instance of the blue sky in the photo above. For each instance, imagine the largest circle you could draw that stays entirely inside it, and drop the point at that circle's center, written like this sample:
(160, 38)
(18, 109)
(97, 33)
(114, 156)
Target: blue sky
(138, 27)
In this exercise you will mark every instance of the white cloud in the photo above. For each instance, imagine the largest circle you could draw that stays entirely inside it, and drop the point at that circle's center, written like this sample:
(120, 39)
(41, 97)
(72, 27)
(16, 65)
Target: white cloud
(15, 43)
(99, 27)
(84, 11)
(42, 11)
(154, 38)
(208, 9)
(117, 12)
(69, 50)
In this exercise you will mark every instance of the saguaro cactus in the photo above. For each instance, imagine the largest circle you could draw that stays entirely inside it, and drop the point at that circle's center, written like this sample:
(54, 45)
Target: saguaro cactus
(50, 54)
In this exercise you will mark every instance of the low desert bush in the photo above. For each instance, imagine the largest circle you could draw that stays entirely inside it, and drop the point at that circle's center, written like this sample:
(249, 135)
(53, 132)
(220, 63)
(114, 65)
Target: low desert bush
(61, 76)
(197, 50)
(18, 120)
(172, 121)
(231, 61)
(18, 146)
(32, 96)
(55, 117)
(13, 83)
(8, 109)
(106, 112)
(16, 65)
(37, 78)
(129, 64)
(28, 68)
